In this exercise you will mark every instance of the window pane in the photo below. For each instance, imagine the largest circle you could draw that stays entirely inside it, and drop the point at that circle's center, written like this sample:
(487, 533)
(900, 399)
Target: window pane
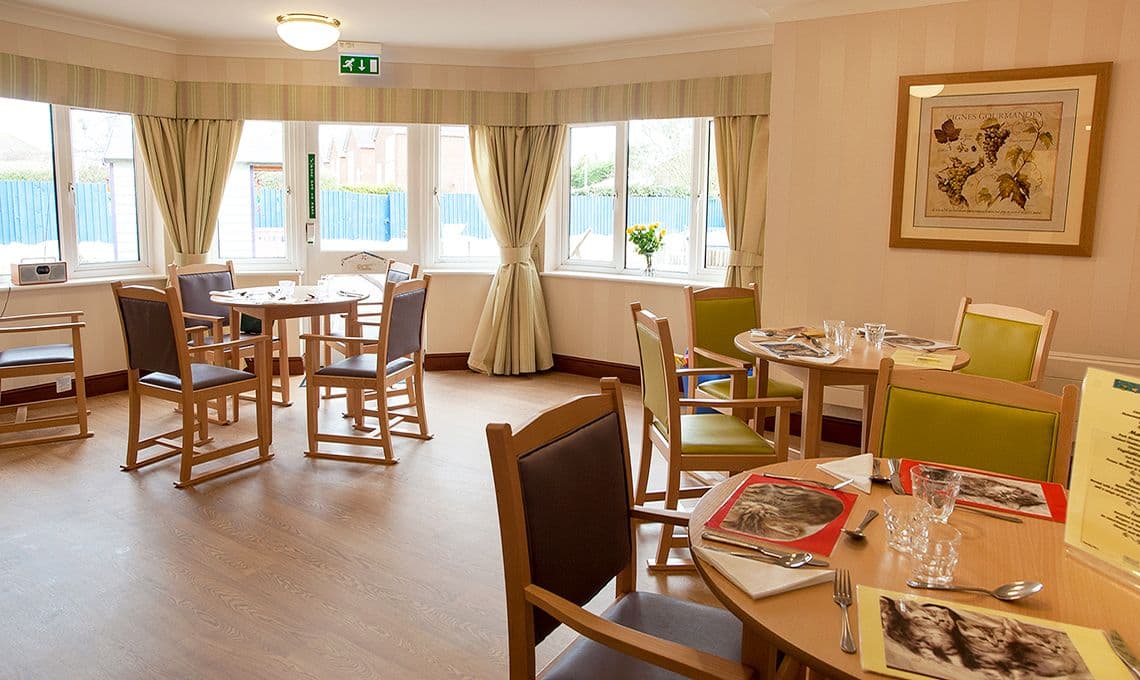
(29, 224)
(364, 187)
(103, 160)
(660, 188)
(463, 228)
(716, 238)
(251, 222)
(592, 157)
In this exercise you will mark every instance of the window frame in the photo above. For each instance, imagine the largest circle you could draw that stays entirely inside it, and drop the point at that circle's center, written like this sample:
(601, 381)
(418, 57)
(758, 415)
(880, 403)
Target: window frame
(433, 236)
(558, 213)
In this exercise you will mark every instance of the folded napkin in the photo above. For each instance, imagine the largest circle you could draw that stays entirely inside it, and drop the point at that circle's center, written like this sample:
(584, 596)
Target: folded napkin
(759, 579)
(857, 468)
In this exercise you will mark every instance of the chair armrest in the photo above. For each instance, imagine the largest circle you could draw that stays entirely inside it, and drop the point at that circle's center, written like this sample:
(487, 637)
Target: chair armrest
(662, 515)
(336, 338)
(777, 402)
(202, 317)
(44, 315)
(724, 370)
(214, 346)
(721, 358)
(45, 327)
(671, 656)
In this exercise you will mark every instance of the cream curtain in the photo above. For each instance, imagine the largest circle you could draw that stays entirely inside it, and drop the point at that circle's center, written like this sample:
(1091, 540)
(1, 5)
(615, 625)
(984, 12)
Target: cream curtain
(188, 162)
(514, 170)
(742, 168)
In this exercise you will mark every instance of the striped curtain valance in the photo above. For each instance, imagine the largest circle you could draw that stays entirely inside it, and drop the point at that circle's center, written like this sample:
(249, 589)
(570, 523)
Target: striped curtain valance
(241, 101)
(58, 83)
(721, 96)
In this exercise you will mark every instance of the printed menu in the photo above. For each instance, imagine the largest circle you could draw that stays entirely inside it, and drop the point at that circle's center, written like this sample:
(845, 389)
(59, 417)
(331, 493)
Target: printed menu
(1104, 498)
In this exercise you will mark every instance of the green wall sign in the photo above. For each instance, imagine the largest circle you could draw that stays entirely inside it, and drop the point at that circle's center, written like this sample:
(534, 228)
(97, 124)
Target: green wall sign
(312, 186)
(359, 65)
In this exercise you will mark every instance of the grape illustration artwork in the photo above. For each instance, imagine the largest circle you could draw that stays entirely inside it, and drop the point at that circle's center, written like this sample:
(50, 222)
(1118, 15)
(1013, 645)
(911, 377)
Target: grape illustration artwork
(996, 161)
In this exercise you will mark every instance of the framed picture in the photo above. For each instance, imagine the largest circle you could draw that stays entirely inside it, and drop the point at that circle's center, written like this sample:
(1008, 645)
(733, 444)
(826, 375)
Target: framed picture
(1003, 161)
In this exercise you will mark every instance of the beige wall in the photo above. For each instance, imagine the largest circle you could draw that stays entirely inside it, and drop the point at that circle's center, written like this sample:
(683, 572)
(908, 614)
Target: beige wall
(834, 97)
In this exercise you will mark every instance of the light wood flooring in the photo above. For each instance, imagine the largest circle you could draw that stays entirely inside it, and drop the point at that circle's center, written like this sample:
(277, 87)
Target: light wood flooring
(294, 569)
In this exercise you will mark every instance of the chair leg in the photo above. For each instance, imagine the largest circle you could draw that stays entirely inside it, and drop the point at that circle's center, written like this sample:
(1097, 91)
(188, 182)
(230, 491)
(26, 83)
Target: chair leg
(385, 423)
(263, 411)
(187, 462)
(134, 407)
(311, 403)
(646, 460)
(203, 413)
(81, 403)
(416, 387)
(668, 542)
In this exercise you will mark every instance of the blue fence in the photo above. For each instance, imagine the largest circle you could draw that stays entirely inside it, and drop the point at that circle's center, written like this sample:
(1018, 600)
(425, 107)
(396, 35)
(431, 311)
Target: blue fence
(27, 213)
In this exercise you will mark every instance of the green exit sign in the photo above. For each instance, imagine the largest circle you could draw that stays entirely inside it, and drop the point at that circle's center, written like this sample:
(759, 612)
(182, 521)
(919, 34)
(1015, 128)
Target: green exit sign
(359, 65)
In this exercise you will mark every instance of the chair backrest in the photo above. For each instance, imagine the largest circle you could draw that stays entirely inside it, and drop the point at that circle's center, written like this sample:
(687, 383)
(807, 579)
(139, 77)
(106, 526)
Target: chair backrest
(973, 421)
(152, 325)
(402, 319)
(193, 284)
(564, 489)
(659, 392)
(716, 316)
(401, 271)
(1004, 342)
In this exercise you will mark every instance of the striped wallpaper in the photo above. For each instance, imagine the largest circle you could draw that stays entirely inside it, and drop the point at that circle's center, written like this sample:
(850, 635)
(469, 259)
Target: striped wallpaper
(58, 83)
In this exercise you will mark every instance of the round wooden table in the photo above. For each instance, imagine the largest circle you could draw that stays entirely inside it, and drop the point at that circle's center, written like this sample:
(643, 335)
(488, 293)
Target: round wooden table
(861, 367)
(805, 623)
(266, 303)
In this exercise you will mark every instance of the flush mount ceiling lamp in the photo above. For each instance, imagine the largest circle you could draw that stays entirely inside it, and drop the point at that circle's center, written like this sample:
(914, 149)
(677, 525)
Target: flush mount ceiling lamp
(309, 32)
(925, 91)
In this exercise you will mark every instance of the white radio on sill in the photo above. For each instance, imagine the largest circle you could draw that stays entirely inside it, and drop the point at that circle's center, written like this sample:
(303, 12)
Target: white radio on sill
(32, 273)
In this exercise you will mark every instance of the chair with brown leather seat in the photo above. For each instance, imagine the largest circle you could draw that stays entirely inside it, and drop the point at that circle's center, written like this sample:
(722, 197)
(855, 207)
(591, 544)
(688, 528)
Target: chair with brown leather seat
(160, 365)
(565, 496)
(45, 360)
(363, 373)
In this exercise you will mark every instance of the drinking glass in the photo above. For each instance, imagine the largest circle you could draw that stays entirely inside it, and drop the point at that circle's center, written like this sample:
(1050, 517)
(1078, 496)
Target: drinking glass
(905, 517)
(833, 329)
(847, 340)
(875, 332)
(323, 285)
(937, 488)
(934, 554)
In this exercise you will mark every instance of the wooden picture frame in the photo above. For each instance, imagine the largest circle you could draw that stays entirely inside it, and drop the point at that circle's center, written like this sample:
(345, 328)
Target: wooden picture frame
(1001, 161)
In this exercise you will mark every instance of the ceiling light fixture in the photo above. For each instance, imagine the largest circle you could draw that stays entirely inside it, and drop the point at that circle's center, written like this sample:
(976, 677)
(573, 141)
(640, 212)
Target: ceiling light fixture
(309, 32)
(925, 91)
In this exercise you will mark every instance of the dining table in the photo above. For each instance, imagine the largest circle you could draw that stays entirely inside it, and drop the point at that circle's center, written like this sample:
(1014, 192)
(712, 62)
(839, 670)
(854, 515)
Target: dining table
(806, 623)
(860, 367)
(273, 305)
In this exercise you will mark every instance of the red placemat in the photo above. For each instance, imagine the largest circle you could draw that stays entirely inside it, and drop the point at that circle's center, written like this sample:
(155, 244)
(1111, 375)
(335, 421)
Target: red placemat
(787, 513)
(1004, 493)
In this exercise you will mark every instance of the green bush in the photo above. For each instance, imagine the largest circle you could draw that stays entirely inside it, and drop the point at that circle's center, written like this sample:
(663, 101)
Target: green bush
(370, 188)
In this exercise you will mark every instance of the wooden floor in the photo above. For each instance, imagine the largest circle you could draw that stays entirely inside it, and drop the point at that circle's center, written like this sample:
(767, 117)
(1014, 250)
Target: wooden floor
(294, 569)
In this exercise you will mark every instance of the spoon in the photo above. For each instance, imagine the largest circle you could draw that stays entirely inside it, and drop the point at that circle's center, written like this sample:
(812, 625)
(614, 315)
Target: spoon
(799, 557)
(1009, 592)
(857, 532)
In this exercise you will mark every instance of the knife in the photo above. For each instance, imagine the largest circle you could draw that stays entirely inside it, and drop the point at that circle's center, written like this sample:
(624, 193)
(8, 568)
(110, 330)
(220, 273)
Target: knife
(1121, 648)
(894, 465)
(814, 562)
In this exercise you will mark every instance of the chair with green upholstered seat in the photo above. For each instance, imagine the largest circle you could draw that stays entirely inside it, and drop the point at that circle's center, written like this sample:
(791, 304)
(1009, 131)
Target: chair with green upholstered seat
(716, 316)
(973, 421)
(694, 442)
(1004, 342)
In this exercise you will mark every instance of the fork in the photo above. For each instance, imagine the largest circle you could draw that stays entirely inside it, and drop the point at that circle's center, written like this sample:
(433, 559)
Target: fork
(842, 598)
(825, 485)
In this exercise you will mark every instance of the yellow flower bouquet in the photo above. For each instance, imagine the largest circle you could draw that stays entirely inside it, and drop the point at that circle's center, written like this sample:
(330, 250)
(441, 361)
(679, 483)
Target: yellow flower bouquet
(646, 239)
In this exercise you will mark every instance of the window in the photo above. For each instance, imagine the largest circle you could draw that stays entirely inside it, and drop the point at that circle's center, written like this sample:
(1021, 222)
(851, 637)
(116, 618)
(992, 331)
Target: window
(641, 172)
(70, 189)
(251, 220)
(363, 187)
(463, 233)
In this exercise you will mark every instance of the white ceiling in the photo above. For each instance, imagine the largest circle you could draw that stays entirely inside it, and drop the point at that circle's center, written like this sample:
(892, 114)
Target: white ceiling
(499, 25)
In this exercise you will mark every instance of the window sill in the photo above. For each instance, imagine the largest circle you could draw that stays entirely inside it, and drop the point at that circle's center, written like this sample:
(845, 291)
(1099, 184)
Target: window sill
(675, 281)
(6, 282)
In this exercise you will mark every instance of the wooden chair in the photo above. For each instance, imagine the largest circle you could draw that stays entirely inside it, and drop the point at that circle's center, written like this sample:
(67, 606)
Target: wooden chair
(716, 316)
(566, 513)
(208, 321)
(395, 273)
(45, 360)
(1004, 342)
(973, 421)
(153, 330)
(401, 343)
(694, 442)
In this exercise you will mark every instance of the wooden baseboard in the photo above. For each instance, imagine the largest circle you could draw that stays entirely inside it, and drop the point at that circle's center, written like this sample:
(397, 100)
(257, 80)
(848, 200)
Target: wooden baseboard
(102, 383)
(296, 365)
(594, 368)
(447, 361)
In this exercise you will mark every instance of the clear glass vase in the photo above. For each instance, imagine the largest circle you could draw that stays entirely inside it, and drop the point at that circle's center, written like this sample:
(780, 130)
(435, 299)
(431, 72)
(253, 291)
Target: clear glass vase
(648, 264)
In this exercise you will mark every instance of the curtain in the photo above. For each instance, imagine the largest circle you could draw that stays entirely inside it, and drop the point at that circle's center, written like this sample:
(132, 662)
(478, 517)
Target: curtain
(742, 168)
(188, 162)
(514, 171)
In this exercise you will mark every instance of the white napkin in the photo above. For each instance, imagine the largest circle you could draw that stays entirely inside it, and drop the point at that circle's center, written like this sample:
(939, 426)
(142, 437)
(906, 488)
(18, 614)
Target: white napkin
(855, 467)
(761, 580)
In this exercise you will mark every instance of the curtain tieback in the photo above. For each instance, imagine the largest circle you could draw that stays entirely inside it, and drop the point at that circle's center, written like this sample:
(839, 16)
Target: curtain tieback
(515, 255)
(743, 258)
